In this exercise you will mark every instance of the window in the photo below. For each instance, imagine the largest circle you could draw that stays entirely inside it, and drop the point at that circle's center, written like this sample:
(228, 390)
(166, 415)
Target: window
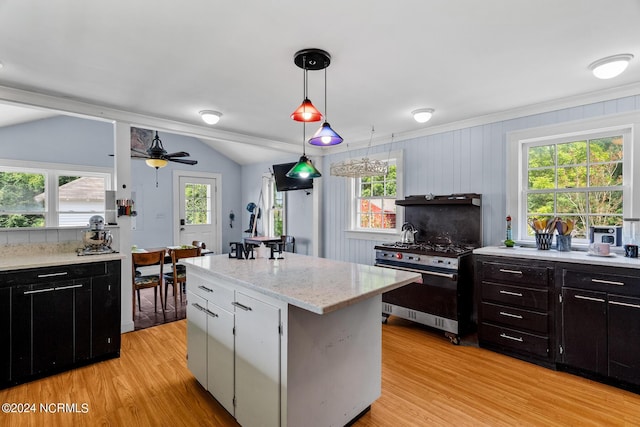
(274, 201)
(41, 195)
(197, 199)
(376, 201)
(580, 180)
(577, 171)
(373, 211)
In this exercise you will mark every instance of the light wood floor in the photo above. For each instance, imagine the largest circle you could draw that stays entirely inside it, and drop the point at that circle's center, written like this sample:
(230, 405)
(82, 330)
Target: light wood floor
(426, 382)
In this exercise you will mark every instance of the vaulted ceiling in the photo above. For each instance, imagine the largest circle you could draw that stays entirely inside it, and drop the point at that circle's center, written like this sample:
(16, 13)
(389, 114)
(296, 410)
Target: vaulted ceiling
(169, 60)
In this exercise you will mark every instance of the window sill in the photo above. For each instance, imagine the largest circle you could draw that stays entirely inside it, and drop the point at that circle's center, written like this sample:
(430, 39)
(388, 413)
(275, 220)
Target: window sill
(384, 236)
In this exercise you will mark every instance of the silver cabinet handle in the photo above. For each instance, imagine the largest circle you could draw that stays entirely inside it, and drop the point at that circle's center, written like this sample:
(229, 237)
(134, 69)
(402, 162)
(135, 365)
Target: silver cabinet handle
(625, 304)
(64, 273)
(198, 306)
(244, 307)
(607, 282)
(515, 294)
(515, 316)
(509, 337)
(204, 288)
(502, 270)
(589, 298)
(61, 288)
(210, 313)
(39, 291)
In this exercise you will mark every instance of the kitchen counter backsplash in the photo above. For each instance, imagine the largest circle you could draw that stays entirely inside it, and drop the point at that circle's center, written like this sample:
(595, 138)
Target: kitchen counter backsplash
(579, 257)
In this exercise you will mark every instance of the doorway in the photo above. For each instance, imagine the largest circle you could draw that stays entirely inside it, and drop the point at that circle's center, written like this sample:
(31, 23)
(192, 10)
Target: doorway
(197, 209)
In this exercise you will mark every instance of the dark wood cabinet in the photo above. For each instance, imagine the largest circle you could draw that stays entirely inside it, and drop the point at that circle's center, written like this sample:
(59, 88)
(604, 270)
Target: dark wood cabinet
(59, 317)
(5, 334)
(515, 313)
(584, 330)
(601, 323)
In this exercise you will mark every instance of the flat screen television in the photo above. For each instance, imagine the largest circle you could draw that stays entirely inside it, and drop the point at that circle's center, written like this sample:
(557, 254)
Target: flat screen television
(284, 183)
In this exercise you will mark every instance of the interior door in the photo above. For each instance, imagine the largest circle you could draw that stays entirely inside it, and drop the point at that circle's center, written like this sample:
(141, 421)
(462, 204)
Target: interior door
(197, 211)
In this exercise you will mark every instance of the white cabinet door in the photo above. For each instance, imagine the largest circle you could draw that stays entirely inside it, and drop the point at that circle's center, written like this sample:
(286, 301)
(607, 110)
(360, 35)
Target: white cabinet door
(197, 337)
(220, 357)
(257, 362)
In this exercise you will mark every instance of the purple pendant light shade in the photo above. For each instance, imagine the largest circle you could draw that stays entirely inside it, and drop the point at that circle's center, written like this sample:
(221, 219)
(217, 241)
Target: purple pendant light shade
(325, 136)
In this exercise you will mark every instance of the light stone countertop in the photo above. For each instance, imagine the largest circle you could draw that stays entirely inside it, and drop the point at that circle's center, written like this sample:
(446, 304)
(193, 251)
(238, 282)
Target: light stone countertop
(314, 284)
(34, 255)
(578, 257)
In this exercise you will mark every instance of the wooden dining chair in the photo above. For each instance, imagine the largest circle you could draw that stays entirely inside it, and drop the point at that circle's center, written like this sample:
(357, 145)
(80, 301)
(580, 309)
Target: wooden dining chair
(143, 281)
(178, 275)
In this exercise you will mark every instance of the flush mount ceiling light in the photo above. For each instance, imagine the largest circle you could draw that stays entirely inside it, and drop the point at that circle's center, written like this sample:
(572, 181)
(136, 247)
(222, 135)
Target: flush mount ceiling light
(422, 115)
(309, 59)
(611, 66)
(210, 117)
(304, 168)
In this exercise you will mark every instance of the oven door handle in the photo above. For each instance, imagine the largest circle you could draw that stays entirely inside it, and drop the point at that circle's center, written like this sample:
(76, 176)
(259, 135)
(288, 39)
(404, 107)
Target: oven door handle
(451, 276)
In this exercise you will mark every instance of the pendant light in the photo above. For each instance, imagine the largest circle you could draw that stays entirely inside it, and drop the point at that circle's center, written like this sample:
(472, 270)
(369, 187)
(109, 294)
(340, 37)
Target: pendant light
(304, 169)
(309, 59)
(325, 136)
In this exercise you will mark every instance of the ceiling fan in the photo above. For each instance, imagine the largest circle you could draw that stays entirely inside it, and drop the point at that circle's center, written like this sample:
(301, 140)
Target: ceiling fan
(157, 157)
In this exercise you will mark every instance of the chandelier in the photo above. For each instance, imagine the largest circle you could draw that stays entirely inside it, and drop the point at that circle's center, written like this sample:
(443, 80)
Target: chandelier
(356, 168)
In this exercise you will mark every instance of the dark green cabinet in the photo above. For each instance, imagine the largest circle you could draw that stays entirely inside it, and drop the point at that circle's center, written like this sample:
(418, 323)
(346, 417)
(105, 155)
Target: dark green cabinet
(60, 317)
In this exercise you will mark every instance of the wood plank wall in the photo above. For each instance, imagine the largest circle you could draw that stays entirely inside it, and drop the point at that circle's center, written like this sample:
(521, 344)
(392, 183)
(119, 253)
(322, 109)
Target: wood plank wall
(467, 160)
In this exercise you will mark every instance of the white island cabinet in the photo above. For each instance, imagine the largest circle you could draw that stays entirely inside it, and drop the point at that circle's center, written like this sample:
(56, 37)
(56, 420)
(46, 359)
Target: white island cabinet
(288, 342)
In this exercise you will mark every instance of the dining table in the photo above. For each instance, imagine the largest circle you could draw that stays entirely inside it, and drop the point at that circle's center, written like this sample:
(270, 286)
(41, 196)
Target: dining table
(258, 240)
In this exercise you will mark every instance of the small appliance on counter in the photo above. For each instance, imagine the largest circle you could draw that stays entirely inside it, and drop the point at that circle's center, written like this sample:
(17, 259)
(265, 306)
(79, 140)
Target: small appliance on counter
(611, 234)
(96, 240)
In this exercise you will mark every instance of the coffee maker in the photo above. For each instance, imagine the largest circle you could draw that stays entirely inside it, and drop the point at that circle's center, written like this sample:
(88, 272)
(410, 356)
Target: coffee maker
(96, 240)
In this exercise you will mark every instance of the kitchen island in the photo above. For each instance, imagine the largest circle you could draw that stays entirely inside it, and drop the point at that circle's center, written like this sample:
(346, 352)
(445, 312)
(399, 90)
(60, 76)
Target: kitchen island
(288, 342)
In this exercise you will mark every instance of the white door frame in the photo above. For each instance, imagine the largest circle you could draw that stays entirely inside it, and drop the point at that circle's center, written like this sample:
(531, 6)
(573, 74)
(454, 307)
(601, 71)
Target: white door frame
(216, 246)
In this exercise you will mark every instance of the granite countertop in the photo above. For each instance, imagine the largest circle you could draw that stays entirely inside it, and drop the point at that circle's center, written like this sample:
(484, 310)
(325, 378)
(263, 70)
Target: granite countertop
(578, 257)
(34, 255)
(318, 285)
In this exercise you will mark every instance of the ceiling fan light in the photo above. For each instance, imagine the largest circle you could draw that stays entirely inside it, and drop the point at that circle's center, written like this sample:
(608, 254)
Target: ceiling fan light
(306, 112)
(422, 115)
(156, 163)
(304, 169)
(611, 66)
(210, 117)
(325, 136)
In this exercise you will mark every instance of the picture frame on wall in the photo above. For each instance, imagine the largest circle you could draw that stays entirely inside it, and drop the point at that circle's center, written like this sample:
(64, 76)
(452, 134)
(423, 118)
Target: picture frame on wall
(140, 141)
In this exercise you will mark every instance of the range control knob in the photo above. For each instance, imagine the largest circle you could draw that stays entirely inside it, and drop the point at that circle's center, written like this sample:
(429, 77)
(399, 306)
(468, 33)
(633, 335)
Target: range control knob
(399, 255)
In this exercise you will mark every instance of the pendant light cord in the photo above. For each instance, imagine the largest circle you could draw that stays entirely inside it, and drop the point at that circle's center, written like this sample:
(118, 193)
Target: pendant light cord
(325, 94)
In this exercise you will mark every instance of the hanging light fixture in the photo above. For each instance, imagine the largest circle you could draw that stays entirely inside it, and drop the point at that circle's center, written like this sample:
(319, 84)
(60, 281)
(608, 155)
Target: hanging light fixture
(304, 168)
(325, 135)
(357, 168)
(309, 59)
(156, 154)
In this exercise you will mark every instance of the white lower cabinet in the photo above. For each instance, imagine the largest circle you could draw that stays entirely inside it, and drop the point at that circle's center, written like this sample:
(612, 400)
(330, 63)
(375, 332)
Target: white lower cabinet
(235, 353)
(257, 360)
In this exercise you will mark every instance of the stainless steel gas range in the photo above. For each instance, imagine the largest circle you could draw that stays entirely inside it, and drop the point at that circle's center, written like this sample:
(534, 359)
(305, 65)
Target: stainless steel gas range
(448, 229)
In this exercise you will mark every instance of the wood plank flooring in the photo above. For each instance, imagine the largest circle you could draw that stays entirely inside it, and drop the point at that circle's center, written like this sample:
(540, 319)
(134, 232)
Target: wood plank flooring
(426, 381)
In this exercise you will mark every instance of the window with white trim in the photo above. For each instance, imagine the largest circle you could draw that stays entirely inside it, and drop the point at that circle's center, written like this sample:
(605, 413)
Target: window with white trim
(275, 207)
(578, 172)
(47, 196)
(373, 212)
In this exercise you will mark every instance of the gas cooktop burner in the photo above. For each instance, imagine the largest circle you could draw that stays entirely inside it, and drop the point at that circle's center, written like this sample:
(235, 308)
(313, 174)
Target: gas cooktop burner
(428, 247)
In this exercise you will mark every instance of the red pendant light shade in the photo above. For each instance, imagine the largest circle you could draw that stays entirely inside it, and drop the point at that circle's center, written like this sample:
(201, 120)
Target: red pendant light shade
(306, 112)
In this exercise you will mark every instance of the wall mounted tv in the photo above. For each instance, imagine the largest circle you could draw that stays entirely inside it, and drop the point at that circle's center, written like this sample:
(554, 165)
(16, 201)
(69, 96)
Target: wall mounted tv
(284, 183)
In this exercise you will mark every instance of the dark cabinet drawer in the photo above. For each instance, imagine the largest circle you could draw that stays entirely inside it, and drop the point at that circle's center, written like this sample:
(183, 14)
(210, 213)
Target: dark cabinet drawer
(515, 296)
(601, 282)
(51, 274)
(515, 273)
(517, 341)
(516, 318)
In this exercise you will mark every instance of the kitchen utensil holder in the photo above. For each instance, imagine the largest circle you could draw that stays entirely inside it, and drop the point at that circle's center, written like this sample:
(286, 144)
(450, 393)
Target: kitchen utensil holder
(543, 240)
(563, 243)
